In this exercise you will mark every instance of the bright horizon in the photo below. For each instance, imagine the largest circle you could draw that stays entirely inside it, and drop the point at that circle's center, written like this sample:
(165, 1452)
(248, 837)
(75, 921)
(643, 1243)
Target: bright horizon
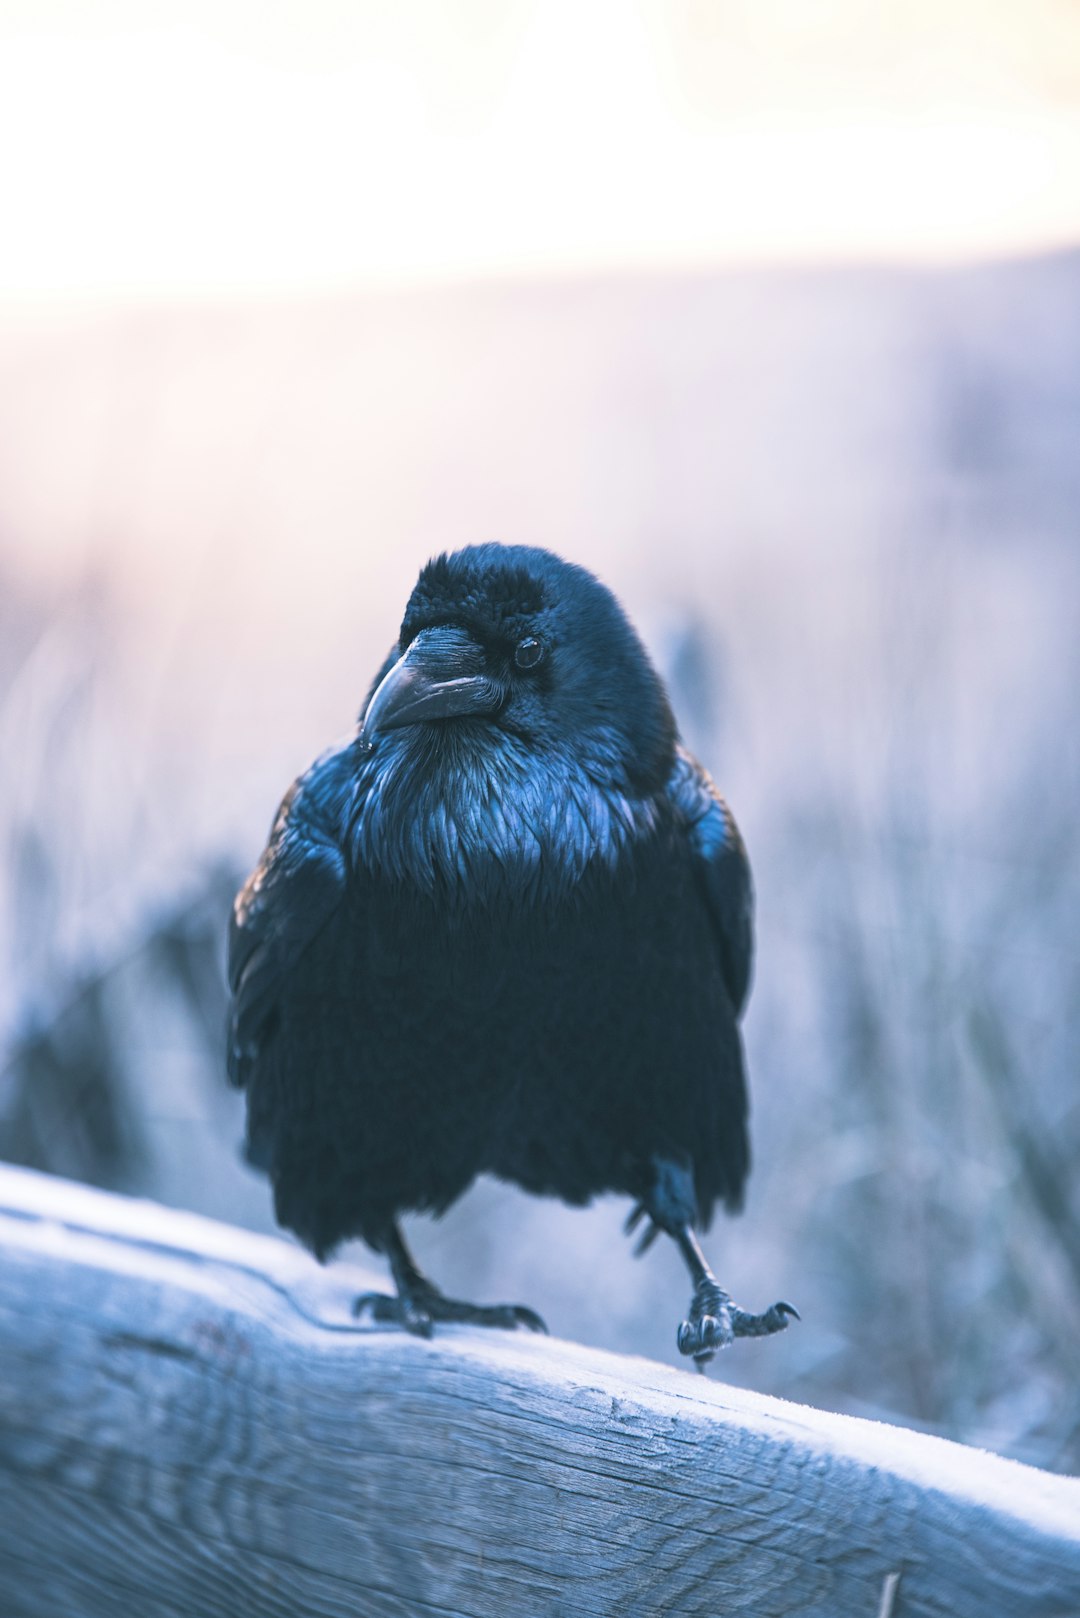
(200, 150)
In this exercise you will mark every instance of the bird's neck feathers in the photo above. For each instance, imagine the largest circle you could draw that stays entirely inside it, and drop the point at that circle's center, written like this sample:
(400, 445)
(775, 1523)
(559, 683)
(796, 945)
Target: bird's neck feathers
(439, 809)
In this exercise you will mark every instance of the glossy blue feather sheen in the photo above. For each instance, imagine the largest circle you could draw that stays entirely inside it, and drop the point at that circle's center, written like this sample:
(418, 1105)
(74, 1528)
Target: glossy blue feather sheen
(516, 944)
(453, 815)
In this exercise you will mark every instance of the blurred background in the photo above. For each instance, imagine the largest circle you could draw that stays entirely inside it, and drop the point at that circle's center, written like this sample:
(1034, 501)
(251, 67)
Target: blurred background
(768, 313)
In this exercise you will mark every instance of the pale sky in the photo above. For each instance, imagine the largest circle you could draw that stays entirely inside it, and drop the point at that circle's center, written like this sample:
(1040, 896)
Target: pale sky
(154, 148)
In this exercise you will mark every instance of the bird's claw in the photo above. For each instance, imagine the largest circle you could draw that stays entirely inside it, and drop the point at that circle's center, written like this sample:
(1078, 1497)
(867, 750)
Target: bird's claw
(710, 1326)
(648, 1235)
(506, 1316)
(381, 1307)
(774, 1319)
(418, 1312)
(715, 1322)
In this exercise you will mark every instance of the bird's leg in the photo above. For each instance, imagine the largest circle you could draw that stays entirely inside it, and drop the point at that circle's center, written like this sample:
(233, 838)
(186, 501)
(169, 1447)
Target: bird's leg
(419, 1303)
(714, 1319)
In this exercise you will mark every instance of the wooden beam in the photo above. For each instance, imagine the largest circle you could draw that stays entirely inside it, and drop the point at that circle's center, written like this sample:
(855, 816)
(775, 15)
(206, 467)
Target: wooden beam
(192, 1425)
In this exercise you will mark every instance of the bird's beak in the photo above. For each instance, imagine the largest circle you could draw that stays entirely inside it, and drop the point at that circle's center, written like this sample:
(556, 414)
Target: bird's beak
(441, 676)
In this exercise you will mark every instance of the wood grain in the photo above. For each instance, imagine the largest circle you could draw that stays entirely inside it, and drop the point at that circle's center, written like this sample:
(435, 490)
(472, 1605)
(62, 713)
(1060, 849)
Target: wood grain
(191, 1425)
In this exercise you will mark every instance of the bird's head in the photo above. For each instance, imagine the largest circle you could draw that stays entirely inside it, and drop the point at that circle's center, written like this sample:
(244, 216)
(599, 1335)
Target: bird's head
(515, 641)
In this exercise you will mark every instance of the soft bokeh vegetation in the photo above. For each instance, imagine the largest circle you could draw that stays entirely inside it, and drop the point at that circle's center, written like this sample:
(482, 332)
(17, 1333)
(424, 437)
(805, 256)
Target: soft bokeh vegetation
(842, 506)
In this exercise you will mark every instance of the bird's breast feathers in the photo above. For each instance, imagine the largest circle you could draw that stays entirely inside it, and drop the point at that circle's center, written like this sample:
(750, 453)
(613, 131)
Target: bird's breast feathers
(478, 819)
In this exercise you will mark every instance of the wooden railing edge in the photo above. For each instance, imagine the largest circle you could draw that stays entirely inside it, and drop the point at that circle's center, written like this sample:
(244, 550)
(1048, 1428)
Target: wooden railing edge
(169, 1379)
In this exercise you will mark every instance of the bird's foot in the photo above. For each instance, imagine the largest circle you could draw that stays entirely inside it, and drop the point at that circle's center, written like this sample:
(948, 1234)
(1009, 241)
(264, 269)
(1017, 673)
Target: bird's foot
(715, 1321)
(421, 1306)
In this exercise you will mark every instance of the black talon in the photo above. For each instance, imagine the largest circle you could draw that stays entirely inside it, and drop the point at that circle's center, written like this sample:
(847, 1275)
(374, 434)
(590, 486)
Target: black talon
(530, 1318)
(417, 1322)
(370, 1301)
(773, 1320)
(383, 1308)
(648, 1235)
(711, 1325)
(646, 1239)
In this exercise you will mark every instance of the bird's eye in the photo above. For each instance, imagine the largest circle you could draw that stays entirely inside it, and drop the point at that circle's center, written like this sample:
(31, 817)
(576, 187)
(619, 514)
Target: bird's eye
(528, 652)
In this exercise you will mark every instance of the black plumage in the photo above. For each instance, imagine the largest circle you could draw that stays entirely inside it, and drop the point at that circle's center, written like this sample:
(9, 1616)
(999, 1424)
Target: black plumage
(504, 928)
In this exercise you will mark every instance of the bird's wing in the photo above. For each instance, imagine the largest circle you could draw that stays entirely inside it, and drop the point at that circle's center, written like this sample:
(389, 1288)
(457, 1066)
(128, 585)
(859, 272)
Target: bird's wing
(289, 897)
(723, 866)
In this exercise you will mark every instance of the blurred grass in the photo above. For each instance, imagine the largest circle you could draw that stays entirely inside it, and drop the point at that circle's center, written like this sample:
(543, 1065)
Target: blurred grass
(843, 509)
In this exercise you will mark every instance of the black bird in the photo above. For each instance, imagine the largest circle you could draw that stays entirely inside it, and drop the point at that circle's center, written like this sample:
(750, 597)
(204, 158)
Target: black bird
(503, 928)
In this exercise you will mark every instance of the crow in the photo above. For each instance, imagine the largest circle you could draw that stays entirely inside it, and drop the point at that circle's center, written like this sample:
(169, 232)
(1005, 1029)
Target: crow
(505, 928)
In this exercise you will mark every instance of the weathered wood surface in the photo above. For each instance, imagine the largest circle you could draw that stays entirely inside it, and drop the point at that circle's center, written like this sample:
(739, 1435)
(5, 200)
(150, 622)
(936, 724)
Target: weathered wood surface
(191, 1425)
